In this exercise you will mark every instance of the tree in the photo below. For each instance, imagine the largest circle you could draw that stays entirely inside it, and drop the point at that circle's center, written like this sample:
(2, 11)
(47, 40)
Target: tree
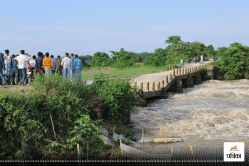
(173, 39)
(84, 63)
(235, 61)
(100, 59)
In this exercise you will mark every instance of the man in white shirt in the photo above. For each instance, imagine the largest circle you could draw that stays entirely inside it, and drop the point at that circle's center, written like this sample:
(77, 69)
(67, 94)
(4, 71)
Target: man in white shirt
(27, 67)
(23, 62)
(66, 63)
(31, 72)
(182, 63)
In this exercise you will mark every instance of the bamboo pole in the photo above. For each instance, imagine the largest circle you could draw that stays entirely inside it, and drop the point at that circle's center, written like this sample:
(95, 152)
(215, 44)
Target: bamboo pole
(160, 129)
(78, 149)
(171, 156)
(53, 142)
(60, 138)
(191, 148)
(53, 125)
(143, 136)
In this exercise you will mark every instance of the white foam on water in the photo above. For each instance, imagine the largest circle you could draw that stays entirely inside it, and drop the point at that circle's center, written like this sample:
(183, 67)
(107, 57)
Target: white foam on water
(209, 111)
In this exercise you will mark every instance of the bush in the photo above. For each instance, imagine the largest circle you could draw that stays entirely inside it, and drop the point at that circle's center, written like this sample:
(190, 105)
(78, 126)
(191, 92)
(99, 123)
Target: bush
(235, 61)
(25, 118)
(118, 96)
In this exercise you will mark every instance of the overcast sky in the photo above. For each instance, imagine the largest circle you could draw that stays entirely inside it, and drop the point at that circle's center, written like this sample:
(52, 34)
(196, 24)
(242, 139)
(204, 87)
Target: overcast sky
(87, 26)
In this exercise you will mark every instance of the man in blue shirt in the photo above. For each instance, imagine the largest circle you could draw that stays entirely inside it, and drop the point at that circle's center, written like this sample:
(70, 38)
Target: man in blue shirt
(14, 70)
(2, 67)
(77, 67)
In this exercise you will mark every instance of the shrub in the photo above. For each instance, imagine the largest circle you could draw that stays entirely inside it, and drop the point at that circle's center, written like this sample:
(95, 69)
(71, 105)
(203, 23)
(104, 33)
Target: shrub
(235, 61)
(25, 118)
(118, 96)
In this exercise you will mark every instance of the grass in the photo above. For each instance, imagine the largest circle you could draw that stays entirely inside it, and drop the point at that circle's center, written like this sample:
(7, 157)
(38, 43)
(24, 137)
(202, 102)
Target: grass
(125, 72)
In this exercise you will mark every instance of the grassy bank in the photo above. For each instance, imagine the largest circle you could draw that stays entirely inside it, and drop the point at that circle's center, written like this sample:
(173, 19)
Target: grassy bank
(138, 69)
(51, 118)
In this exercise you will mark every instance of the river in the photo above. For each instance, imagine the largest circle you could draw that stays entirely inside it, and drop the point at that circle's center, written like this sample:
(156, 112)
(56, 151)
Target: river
(210, 113)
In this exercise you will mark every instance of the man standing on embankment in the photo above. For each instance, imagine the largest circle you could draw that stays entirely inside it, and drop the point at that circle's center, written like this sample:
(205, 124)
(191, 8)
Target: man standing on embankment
(2, 67)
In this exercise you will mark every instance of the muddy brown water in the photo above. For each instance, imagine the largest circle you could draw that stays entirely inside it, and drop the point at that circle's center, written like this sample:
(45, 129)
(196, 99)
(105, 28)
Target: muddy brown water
(211, 113)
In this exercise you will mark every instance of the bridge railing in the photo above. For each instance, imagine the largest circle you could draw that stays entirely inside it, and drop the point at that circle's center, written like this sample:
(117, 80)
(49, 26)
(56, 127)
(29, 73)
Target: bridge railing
(147, 86)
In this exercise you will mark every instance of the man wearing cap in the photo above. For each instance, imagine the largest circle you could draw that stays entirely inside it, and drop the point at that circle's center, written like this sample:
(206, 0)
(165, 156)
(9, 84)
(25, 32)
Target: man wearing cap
(77, 67)
(22, 61)
(2, 68)
(7, 72)
(66, 63)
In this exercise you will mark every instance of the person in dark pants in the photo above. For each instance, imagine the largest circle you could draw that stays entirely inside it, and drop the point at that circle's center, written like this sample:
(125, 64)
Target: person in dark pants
(38, 62)
(54, 63)
(22, 61)
(2, 68)
(14, 71)
(58, 66)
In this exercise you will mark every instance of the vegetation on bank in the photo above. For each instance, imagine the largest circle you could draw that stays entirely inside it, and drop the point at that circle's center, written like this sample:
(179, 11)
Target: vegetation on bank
(57, 110)
(170, 55)
(234, 61)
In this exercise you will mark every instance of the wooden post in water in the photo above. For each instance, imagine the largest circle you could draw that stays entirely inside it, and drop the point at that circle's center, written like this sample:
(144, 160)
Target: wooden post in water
(78, 149)
(191, 148)
(160, 129)
(143, 136)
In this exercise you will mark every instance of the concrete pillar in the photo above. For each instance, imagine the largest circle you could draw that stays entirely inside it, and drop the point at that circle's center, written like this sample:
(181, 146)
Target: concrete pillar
(186, 71)
(135, 84)
(162, 85)
(141, 85)
(190, 82)
(183, 71)
(179, 86)
(152, 86)
(146, 86)
(179, 72)
(184, 83)
(157, 86)
(166, 80)
(197, 80)
(174, 72)
(170, 78)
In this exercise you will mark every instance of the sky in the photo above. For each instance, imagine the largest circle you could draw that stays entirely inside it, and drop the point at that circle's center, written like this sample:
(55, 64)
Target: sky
(85, 27)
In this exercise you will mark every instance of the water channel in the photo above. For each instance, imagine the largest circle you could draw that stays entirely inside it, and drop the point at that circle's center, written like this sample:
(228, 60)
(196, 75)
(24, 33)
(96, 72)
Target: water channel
(210, 113)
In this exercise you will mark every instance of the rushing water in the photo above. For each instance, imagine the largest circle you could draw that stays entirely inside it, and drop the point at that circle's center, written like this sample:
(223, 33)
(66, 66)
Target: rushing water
(212, 112)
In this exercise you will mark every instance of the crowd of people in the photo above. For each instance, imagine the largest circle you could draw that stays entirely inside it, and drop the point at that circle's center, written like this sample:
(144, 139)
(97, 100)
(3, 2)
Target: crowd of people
(17, 68)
